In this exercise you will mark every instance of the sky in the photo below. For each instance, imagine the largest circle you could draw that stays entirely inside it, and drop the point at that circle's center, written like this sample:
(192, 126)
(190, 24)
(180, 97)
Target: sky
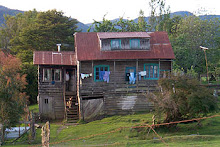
(86, 11)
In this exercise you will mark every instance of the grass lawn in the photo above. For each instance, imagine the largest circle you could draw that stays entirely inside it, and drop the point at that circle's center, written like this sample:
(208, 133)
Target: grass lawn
(191, 134)
(34, 108)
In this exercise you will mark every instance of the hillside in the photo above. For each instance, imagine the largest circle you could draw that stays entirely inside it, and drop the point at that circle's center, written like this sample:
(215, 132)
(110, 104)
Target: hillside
(129, 130)
(84, 27)
(7, 11)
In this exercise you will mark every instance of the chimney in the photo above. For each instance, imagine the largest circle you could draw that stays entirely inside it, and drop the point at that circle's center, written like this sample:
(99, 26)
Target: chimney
(58, 47)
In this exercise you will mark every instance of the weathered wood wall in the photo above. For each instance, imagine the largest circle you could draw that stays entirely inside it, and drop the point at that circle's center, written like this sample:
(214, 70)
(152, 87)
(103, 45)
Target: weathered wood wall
(54, 109)
(52, 94)
(92, 108)
(120, 97)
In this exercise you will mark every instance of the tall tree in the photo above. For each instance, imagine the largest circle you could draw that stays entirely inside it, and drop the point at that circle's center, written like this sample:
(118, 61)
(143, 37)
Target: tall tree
(159, 15)
(25, 33)
(121, 25)
(12, 83)
(191, 33)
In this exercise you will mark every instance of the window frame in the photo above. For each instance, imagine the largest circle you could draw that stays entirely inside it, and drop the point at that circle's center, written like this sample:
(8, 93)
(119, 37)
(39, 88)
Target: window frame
(138, 47)
(52, 74)
(158, 71)
(119, 41)
(99, 66)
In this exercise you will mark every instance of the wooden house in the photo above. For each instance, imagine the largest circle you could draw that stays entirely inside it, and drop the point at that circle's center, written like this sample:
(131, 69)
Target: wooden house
(109, 74)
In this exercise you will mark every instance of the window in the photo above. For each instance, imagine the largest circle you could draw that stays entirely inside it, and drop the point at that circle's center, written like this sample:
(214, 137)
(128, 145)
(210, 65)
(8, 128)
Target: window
(99, 71)
(134, 43)
(46, 74)
(46, 101)
(51, 74)
(56, 74)
(115, 44)
(152, 71)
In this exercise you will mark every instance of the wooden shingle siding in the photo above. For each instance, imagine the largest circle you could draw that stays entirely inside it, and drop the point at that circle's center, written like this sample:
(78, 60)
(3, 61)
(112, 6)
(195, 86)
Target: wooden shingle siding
(118, 93)
(54, 109)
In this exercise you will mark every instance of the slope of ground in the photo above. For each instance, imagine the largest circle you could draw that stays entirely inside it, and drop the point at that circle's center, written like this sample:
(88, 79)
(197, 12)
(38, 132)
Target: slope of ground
(118, 131)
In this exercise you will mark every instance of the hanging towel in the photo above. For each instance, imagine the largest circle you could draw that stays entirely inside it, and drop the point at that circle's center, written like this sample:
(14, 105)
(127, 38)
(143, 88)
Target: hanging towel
(142, 74)
(106, 76)
(101, 74)
(83, 76)
(132, 78)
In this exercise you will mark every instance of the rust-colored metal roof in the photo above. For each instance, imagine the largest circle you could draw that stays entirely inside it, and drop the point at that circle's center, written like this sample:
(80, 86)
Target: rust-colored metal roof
(55, 58)
(106, 35)
(88, 47)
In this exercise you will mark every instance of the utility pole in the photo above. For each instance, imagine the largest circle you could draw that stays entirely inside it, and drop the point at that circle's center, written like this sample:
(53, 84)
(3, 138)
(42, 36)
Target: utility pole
(204, 49)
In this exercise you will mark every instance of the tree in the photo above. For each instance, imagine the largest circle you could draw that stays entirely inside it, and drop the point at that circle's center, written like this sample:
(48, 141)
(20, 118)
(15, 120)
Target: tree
(12, 98)
(182, 98)
(159, 15)
(24, 33)
(104, 26)
(189, 34)
(34, 30)
(122, 25)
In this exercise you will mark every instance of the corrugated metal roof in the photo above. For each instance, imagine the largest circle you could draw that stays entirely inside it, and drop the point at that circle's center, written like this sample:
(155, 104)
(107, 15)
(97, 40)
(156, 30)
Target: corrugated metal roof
(55, 58)
(88, 48)
(106, 35)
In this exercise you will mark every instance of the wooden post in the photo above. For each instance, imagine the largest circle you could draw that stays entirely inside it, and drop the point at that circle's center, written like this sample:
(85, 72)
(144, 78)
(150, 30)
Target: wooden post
(64, 93)
(93, 76)
(1, 134)
(159, 69)
(114, 78)
(45, 134)
(137, 74)
(32, 127)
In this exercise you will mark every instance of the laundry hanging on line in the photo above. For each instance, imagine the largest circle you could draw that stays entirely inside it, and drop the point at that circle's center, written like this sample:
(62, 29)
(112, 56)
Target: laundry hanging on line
(104, 75)
(132, 78)
(83, 76)
(142, 74)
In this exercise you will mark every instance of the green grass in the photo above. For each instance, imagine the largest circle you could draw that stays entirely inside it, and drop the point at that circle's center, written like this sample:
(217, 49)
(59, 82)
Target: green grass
(34, 108)
(191, 134)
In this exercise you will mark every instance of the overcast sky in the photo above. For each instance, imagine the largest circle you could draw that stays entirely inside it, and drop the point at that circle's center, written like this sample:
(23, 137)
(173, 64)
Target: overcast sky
(87, 10)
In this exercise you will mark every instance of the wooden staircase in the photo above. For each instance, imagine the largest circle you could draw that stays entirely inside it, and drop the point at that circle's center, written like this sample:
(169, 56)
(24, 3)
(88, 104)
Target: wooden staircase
(71, 107)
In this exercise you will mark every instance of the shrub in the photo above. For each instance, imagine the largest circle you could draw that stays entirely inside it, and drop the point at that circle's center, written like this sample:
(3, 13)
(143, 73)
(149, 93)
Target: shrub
(181, 98)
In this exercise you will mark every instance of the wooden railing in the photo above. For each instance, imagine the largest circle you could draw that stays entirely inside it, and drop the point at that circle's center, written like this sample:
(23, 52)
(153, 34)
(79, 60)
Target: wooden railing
(91, 89)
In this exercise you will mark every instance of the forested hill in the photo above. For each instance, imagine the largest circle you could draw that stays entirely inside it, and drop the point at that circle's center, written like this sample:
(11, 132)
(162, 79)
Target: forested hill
(84, 27)
(7, 11)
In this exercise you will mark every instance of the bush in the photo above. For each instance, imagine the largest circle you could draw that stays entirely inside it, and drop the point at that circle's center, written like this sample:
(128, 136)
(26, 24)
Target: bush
(182, 98)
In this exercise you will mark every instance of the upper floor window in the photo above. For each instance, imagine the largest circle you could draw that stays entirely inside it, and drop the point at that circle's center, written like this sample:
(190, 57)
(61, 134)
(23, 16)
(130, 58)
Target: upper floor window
(115, 44)
(56, 74)
(152, 71)
(51, 74)
(134, 43)
(46, 74)
(125, 44)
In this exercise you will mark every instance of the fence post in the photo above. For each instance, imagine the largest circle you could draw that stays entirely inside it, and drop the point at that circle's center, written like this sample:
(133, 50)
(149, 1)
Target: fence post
(1, 133)
(45, 134)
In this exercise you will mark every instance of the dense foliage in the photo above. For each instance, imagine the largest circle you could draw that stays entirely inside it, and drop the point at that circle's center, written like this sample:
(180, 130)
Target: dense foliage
(121, 25)
(34, 31)
(182, 97)
(12, 83)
